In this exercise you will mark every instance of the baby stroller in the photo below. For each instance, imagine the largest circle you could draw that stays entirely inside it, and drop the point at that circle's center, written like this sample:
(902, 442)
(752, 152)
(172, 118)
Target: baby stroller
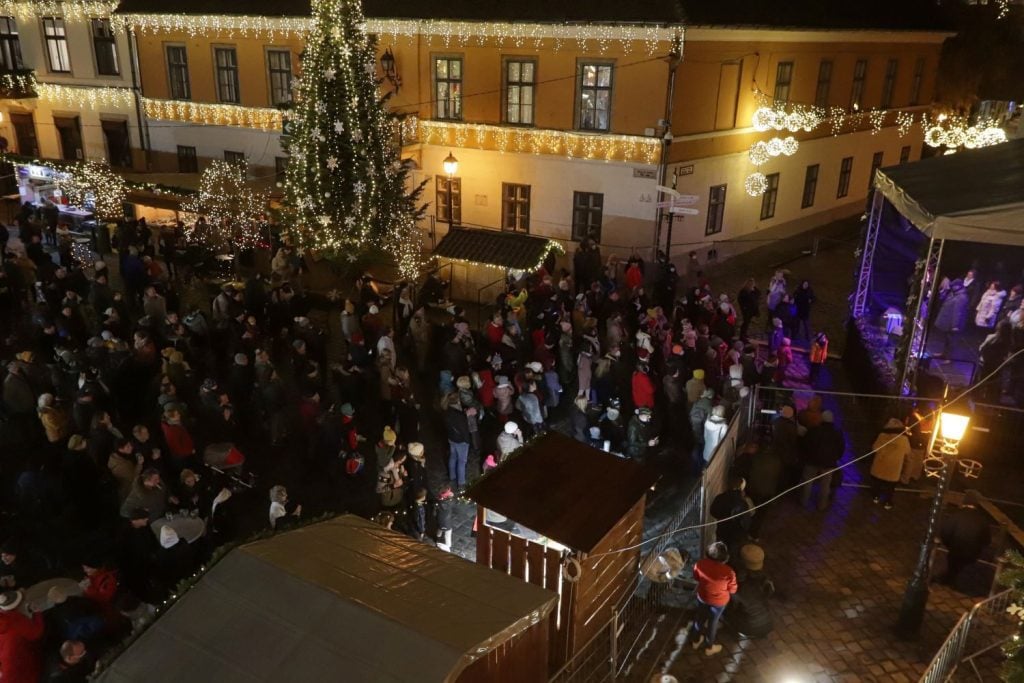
(227, 460)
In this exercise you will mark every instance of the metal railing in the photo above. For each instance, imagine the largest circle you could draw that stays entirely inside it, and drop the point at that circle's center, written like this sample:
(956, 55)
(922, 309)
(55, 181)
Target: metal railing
(951, 654)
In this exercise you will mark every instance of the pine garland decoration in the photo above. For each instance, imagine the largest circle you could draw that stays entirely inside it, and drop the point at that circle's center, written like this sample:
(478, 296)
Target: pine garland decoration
(1012, 576)
(346, 186)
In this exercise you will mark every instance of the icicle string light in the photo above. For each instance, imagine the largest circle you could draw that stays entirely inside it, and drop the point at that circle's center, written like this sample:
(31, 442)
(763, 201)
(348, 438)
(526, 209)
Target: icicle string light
(262, 118)
(85, 96)
(440, 32)
(72, 10)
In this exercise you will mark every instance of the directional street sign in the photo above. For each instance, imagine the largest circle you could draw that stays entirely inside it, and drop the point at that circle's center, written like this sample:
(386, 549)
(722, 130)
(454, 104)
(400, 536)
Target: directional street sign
(685, 211)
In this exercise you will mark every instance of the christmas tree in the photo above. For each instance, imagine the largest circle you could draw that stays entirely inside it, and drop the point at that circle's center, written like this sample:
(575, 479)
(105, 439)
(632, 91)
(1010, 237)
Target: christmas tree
(345, 187)
(233, 210)
(1012, 577)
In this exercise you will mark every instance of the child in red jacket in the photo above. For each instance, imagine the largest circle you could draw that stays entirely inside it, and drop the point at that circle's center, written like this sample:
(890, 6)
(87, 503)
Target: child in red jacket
(716, 584)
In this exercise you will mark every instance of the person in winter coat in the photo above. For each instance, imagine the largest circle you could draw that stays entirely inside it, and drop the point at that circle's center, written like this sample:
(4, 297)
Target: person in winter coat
(443, 515)
(824, 447)
(640, 435)
(748, 610)
(20, 636)
(584, 367)
(749, 300)
(776, 290)
(700, 411)
(952, 317)
(530, 408)
(53, 418)
(457, 426)
(731, 509)
(695, 387)
(803, 298)
(715, 428)
(988, 308)
(510, 440)
(125, 466)
(716, 584)
(891, 448)
(965, 533)
(819, 355)
(503, 394)
(643, 387)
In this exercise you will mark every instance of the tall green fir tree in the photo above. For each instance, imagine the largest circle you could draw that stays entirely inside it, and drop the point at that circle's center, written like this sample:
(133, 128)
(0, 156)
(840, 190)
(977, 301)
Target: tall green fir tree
(346, 188)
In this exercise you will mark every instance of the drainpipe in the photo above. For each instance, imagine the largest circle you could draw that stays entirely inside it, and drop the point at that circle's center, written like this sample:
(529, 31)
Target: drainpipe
(675, 58)
(137, 89)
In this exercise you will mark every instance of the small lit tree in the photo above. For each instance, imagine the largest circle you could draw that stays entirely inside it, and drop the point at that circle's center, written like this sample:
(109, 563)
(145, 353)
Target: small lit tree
(94, 185)
(232, 208)
(1012, 576)
(345, 187)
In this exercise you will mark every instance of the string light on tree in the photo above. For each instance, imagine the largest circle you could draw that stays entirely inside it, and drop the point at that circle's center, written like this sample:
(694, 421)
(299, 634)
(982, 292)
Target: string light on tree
(756, 184)
(343, 193)
(233, 210)
(93, 185)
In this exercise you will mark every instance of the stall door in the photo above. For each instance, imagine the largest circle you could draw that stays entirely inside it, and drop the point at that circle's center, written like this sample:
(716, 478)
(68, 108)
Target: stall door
(25, 134)
(119, 150)
(70, 133)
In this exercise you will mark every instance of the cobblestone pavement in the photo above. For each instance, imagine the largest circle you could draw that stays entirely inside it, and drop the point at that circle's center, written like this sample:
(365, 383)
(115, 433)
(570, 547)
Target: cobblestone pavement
(840, 576)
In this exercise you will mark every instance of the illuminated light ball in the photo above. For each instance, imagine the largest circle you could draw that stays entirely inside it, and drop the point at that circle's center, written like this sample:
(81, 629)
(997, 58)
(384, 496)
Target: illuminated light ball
(775, 147)
(756, 184)
(972, 138)
(956, 137)
(790, 146)
(758, 153)
(934, 136)
(764, 119)
(794, 121)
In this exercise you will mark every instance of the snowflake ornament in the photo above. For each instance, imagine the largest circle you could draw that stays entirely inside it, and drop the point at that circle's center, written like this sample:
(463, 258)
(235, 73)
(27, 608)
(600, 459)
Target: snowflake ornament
(332, 163)
(352, 257)
(350, 221)
(339, 127)
(325, 220)
(359, 187)
(336, 33)
(329, 74)
(357, 135)
(345, 51)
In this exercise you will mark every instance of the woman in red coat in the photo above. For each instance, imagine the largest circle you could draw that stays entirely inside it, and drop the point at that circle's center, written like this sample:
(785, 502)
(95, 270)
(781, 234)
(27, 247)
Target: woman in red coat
(643, 388)
(20, 660)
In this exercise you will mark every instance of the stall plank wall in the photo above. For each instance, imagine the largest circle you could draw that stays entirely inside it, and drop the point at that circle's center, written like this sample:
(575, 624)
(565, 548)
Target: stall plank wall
(522, 659)
(606, 579)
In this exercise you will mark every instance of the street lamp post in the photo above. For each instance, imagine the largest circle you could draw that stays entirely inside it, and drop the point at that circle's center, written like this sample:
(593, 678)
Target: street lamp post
(915, 597)
(451, 166)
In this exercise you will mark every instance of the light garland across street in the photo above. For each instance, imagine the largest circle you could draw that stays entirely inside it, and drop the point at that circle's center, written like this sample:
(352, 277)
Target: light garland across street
(72, 10)
(447, 33)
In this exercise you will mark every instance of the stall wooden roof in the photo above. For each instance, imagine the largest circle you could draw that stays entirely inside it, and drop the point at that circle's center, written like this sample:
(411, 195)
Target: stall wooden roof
(564, 489)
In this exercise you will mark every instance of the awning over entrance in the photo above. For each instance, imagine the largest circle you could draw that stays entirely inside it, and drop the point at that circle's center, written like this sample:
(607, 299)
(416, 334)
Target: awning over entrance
(496, 248)
(974, 195)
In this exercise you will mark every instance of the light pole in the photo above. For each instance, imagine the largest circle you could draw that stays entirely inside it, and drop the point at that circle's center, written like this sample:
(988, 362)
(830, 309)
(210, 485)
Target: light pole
(451, 165)
(915, 598)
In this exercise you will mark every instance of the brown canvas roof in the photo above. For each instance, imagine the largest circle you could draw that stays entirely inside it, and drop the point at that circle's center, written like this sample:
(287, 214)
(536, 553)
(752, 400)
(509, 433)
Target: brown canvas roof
(494, 247)
(343, 600)
(564, 489)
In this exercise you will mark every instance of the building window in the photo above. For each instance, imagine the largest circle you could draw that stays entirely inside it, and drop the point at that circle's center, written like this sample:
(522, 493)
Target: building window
(187, 160)
(904, 154)
(227, 74)
(824, 83)
(810, 186)
(915, 86)
(25, 134)
(587, 212)
(595, 96)
(716, 209)
(890, 82)
(520, 77)
(876, 163)
(177, 72)
(441, 200)
(280, 64)
(119, 149)
(280, 166)
(860, 73)
(845, 170)
(515, 207)
(69, 132)
(10, 45)
(56, 45)
(770, 196)
(236, 158)
(448, 88)
(105, 46)
(783, 79)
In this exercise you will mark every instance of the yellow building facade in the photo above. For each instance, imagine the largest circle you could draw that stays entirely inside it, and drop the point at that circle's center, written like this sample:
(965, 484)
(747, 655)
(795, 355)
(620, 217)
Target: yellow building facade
(560, 129)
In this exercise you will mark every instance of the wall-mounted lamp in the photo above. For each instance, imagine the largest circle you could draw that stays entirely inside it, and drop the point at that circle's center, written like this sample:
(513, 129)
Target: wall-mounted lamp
(387, 63)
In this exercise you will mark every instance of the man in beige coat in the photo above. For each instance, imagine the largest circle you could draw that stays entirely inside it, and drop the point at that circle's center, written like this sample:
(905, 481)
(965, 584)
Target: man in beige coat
(891, 448)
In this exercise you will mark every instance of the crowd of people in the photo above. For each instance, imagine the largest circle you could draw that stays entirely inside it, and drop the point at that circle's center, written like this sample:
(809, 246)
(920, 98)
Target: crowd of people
(148, 420)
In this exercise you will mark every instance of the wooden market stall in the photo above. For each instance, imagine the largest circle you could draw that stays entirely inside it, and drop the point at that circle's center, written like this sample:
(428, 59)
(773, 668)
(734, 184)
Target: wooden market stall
(557, 514)
(345, 600)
